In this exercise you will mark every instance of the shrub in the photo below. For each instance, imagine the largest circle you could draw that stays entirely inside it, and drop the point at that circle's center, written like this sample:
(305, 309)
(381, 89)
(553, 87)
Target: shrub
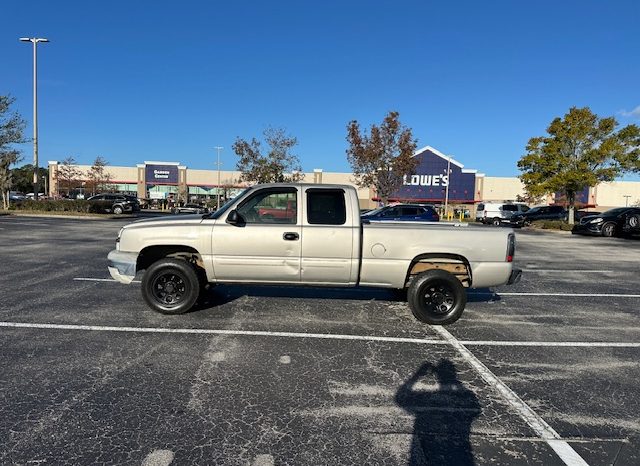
(78, 205)
(552, 225)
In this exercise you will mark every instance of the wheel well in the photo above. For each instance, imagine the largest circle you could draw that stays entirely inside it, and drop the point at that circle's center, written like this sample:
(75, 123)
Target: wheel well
(152, 254)
(453, 263)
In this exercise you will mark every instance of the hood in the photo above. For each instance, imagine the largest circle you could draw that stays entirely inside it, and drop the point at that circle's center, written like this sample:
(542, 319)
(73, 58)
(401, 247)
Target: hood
(166, 220)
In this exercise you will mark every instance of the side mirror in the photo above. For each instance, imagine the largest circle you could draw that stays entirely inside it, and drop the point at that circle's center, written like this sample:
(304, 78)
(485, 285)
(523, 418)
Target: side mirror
(234, 218)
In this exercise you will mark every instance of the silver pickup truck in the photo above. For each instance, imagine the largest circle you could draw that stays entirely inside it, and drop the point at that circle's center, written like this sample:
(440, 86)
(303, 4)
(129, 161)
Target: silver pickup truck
(308, 234)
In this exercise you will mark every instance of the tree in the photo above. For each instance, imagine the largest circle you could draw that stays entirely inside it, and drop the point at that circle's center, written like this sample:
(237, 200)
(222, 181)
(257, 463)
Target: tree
(68, 175)
(98, 179)
(279, 165)
(11, 128)
(579, 151)
(383, 157)
(22, 177)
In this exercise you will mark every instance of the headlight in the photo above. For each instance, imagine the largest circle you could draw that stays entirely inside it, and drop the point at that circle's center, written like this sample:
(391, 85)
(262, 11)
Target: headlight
(596, 220)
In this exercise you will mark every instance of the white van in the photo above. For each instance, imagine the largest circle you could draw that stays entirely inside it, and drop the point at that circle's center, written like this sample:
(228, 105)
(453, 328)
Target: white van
(498, 212)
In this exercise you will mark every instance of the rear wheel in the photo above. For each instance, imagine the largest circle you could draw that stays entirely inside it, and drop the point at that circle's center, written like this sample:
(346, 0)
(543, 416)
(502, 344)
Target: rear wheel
(436, 297)
(496, 221)
(117, 210)
(171, 286)
(609, 229)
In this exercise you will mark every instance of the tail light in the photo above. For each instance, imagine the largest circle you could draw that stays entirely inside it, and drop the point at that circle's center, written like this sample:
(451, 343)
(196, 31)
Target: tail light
(511, 247)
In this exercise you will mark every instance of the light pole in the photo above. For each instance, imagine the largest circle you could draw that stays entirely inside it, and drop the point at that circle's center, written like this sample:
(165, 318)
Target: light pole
(34, 41)
(626, 200)
(218, 149)
(446, 195)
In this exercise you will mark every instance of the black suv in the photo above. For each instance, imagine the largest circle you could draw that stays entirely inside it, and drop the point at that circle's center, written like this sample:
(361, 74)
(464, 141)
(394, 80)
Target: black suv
(550, 212)
(115, 203)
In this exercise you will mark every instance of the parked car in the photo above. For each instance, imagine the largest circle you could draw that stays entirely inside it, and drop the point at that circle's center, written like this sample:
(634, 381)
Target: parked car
(190, 209)
(403, 213)
(550, 212)
(115, 203)
(498, 212)
(613, 222)
(16, 196)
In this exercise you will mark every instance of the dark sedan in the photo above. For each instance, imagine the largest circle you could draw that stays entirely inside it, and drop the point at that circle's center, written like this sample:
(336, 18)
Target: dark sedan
(403, 213)
(613, 222)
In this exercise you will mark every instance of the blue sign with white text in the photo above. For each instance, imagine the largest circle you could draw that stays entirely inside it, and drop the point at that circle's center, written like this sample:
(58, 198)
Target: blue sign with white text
(161, 174)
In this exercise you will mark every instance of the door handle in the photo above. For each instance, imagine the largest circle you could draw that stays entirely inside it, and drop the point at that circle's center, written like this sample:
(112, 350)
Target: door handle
(291, 236)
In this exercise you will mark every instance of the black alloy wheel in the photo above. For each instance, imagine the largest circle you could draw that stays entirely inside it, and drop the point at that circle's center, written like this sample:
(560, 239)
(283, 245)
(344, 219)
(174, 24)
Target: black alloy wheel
(496, 221)
(436, 297)
(609, 229)
(171, 286)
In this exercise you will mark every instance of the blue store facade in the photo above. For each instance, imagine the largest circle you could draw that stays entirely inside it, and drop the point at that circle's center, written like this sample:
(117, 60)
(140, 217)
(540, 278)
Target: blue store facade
(430, 180)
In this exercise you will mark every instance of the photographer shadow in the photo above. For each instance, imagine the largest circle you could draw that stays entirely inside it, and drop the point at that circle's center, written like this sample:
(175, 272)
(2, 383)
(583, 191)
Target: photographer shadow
(443, 412)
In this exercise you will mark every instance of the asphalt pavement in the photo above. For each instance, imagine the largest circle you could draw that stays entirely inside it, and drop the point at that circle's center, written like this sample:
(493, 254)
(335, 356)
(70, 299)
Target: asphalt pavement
(542, 372)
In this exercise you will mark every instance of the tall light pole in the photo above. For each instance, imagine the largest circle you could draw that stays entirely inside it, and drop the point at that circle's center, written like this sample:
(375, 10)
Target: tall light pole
(446, 195)
(34, 41)
(218, 149)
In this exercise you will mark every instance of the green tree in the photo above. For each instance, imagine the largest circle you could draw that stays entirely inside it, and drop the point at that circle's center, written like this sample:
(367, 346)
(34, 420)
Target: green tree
(22, 178)
(11, 129)
(68, 175)
(279, 165)
(383, 157)
(580, 150)
(98, 179)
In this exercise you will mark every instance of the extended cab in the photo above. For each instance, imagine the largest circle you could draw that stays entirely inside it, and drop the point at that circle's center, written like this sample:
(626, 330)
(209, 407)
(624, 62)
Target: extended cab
(320, 241)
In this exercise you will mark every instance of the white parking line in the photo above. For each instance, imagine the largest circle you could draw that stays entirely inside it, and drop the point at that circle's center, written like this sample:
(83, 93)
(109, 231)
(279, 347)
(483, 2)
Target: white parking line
(158, 458)
(566, 453)
(476, 293)
(318, 336)
(571, 271)
(570, 295)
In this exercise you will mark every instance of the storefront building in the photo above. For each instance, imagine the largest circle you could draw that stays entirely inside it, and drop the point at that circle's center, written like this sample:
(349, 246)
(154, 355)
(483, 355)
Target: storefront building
(438, 178)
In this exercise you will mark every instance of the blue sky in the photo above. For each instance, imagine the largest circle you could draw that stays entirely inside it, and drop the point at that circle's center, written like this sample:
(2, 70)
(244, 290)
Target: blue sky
(159, 80)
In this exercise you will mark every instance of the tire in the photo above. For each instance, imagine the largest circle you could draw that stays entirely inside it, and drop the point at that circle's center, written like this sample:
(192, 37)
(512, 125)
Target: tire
(496, 221)
(634, 221)
(117, 210)
(436, 297)
(609, 229)
(171, 286)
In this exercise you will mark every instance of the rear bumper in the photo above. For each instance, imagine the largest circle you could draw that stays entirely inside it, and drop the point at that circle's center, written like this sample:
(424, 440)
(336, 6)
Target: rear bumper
(122, 265)
(515, 276)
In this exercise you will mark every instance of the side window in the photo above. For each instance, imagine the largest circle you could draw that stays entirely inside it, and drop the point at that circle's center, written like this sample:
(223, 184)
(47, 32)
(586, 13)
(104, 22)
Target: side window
(391, 212)
(326, 207)
(524, 208)
(509, 208)
(480, 207)
(411, 211)
(271, 206)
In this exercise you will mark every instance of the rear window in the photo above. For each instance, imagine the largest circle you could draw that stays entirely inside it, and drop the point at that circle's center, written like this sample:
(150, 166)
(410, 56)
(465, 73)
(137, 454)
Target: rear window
(326, 207)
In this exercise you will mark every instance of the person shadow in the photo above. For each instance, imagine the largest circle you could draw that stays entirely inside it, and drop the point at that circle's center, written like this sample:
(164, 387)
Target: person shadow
(443, 415)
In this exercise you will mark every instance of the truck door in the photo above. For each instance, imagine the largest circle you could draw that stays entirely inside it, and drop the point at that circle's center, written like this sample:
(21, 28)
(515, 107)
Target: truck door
(266, 245)
(330, 250)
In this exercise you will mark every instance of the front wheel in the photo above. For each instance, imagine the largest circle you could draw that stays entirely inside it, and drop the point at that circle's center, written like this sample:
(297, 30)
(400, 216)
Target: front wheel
(436, 297)
(496, 221)
(117, 210)
(171, 286)
(609, 229)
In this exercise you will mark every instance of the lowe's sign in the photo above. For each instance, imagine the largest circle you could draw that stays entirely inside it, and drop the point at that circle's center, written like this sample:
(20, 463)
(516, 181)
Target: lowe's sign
(430, 180)
(161, 174)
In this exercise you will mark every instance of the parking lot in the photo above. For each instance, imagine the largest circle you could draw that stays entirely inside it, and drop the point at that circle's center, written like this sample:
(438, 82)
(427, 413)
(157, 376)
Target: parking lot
(542, 372)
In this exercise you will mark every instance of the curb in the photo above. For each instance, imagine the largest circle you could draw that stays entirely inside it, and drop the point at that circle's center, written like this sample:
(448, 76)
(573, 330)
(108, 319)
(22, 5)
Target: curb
(72, 217)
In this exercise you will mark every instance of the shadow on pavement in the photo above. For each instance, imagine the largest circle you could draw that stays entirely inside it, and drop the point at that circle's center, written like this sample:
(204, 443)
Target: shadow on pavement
(443, 414)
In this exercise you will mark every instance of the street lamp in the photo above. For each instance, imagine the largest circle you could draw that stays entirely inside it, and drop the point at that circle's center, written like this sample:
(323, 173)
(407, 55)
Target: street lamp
(34, 41)
(446, 196)
(218, 148)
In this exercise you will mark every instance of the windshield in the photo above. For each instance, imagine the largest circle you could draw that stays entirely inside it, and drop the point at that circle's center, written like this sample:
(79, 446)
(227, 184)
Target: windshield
(374, 212)
(615, 212)
(533, 210)
(223, 208)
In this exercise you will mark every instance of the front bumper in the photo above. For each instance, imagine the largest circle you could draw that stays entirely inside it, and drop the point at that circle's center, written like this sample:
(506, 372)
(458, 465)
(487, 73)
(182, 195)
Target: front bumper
(515, 276)
(587, 229)
(122, 265)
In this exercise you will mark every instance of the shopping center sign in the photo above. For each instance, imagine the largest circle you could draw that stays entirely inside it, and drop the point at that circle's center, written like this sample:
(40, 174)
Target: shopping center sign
(161, 174)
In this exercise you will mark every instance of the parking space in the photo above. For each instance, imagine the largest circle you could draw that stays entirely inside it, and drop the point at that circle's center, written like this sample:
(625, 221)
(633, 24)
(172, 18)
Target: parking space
(542, 372)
